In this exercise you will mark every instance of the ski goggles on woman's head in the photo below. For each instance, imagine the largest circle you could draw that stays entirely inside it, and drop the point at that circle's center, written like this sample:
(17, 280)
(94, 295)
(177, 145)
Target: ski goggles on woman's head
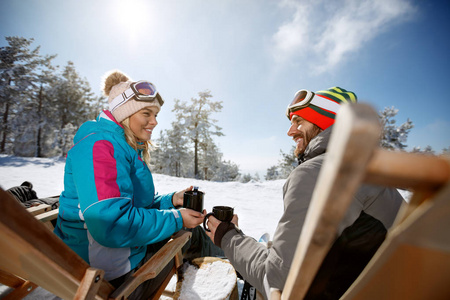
(140, 91)
(301, 100)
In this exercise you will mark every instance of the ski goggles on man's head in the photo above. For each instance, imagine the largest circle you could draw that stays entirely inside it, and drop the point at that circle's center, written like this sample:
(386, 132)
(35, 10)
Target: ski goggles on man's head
(140, 91)
(301, 100)
(305, 98)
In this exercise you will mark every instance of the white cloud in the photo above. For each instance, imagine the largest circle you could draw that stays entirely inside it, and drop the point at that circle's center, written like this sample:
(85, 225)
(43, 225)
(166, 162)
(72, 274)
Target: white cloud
(292, 36)
(326, 33)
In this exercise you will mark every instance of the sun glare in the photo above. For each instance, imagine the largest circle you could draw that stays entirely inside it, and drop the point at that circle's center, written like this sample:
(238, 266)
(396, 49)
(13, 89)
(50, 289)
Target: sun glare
(130, 14)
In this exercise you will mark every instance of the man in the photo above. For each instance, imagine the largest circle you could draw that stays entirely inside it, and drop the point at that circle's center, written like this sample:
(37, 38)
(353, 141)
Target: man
(362, 230)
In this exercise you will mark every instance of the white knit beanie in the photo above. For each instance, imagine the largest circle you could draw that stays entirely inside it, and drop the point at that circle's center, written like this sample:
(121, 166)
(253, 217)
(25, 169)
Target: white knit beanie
(118, 83)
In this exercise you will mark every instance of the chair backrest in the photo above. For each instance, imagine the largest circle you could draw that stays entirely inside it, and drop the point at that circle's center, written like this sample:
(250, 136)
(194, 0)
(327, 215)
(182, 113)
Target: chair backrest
(353, 157)
(29, 251)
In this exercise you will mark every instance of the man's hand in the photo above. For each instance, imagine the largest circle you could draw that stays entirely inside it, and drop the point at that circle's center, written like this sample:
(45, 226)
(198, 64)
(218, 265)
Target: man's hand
(177, 199)
(212, 223)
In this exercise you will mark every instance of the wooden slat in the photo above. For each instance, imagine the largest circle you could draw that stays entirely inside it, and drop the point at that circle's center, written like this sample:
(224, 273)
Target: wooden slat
(162, 287)
(48, 216)
(39, 209)
(90, 284)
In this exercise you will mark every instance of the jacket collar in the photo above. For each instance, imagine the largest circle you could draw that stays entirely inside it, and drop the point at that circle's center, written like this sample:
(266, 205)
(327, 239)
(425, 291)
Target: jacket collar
(106, 114)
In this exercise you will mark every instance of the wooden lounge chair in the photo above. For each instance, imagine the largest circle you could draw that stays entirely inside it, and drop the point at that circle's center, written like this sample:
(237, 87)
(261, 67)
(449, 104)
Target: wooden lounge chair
(414, 260)
(31, 255)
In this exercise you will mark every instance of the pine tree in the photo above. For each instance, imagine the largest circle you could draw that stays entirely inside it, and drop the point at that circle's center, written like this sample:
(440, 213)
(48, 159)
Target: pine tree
(272, 173)
(393, 136)
(210, 158)
(172, 155)
(73, 105)
(226, 171)
(21, 72)
(197, 124)
(428, 150)
(287, 163)
(43, 109)
(246, 178)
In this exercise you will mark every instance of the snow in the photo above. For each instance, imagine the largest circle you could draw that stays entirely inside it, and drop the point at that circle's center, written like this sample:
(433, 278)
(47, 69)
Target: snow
(211, 281)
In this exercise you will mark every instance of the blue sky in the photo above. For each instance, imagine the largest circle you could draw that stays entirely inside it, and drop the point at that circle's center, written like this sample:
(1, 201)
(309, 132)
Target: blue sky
(254, 55)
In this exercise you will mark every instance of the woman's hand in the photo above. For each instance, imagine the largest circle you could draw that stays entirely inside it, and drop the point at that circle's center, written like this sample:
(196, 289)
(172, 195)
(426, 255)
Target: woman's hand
(191, 218)
(177, 199)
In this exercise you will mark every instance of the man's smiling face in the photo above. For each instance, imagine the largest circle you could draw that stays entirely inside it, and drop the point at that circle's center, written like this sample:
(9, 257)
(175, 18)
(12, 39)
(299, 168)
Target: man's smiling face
(302, 132)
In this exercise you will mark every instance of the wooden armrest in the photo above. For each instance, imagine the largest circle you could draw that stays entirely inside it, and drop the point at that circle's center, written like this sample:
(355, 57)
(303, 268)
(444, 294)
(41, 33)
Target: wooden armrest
(35, 210)
(48, 216)
(391, 168)
(154, 265)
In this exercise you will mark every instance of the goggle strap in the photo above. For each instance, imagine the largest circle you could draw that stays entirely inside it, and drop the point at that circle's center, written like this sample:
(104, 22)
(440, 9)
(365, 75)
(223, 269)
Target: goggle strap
(325, 103)
(121, 99)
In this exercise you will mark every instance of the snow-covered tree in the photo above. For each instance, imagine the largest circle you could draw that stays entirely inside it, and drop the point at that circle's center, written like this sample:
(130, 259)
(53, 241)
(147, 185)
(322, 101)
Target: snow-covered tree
(172, 156)
(427, 150)
(32, 92)
(246, 178)
(197, 124)
(272, 173)
(22, 73)
(285, 166)
(393, 136)
(287, 163)
(226, 171)
(73, 101)
(188, 149)
(63, 138)
(209, 158)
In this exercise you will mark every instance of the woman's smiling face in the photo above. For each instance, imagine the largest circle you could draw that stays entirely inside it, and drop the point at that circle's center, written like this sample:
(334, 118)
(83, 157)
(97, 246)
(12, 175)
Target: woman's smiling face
(143, 122)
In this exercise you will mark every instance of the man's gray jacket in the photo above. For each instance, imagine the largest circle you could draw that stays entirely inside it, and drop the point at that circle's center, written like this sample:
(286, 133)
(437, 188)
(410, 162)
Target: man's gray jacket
(264, 268)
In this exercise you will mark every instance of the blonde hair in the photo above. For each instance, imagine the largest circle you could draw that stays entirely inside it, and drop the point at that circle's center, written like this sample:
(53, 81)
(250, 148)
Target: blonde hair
(146, 146)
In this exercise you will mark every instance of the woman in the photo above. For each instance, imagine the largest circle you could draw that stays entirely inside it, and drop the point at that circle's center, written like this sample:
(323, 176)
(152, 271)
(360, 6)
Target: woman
(109, 213)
